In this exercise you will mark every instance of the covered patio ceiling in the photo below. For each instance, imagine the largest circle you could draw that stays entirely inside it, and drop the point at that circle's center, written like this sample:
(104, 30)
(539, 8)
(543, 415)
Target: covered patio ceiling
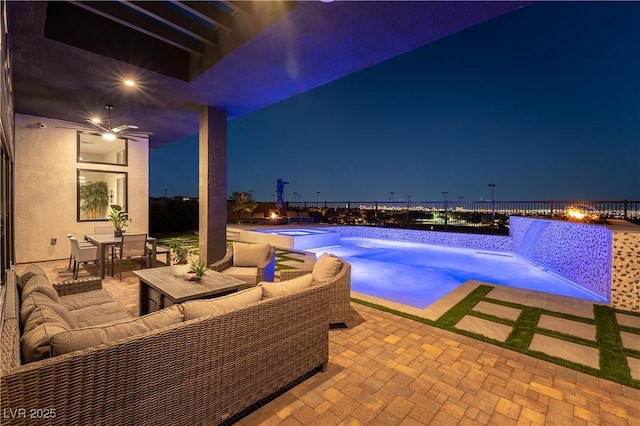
(69, 58)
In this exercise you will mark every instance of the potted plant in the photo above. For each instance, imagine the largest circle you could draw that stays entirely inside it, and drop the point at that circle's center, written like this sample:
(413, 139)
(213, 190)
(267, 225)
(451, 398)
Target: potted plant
(179, 254)
(198, 270)
(119, 218)
(95, 197)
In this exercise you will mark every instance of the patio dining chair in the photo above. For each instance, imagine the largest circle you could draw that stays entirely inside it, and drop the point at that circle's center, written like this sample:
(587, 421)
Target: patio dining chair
(82, 254)
(133, 246)
(81, 243)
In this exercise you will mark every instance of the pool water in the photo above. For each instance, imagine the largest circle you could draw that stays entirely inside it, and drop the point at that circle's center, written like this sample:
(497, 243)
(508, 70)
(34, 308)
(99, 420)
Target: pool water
(417, 274)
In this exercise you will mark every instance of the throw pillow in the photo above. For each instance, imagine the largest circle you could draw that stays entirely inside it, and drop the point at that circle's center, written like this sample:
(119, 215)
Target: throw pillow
(44, 314)
(36, 343)
(284, 288)
(41, 285)
(31, 271)
(35, 299)
(326, 267)
(87, 337)
(250, 254)
(202, 308)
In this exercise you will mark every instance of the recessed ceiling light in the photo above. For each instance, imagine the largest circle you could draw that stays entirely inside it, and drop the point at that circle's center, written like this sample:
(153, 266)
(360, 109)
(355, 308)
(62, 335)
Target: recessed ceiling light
(129, 83)
(95, 120)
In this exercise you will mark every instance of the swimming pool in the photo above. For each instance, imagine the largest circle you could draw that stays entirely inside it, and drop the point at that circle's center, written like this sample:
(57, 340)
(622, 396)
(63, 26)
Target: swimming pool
(417, 274)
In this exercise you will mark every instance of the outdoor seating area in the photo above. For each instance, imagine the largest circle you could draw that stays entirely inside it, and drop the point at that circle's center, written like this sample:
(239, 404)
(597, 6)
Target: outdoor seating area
(251, 218)
(52, 328)
(299, 217)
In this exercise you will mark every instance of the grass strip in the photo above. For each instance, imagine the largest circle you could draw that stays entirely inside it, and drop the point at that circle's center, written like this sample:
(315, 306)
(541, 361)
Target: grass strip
(524, 329)
(612, 355)
(463, 307)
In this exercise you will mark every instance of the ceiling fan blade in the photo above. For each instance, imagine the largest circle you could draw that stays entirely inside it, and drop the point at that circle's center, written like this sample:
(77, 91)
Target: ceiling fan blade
(123, 128)
(140, 133)
(99, 126)
(83, 129)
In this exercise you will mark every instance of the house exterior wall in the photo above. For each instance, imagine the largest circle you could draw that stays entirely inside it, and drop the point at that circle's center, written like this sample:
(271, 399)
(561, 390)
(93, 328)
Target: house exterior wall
(46, 188)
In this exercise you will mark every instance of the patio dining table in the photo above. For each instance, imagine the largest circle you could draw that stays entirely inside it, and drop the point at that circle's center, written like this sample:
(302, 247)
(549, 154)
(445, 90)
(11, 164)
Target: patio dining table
(105, 240)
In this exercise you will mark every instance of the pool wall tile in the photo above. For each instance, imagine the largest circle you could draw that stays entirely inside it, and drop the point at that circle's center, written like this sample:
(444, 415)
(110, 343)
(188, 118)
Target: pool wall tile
(579, 252)
(485, 242)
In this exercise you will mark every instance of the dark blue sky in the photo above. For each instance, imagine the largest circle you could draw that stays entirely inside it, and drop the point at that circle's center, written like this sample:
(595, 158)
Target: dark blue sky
(543, 102)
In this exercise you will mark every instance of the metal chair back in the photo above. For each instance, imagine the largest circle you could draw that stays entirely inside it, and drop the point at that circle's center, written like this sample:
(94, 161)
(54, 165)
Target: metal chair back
(134, 245)
(103, 229)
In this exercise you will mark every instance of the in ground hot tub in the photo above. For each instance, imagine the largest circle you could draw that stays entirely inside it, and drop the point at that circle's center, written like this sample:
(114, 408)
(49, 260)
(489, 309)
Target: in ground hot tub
(292, 238)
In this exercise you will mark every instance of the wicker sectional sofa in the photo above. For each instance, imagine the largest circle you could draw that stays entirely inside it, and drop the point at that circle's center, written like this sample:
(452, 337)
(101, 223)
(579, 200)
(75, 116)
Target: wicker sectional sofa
(336, 272)
(200, 370)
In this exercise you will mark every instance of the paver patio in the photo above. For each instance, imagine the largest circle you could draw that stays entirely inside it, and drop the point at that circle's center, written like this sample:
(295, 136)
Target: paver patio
(386, 370)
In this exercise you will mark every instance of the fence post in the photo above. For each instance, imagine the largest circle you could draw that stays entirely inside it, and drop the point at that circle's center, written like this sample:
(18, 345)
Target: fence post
(551, 207)
(626, 206)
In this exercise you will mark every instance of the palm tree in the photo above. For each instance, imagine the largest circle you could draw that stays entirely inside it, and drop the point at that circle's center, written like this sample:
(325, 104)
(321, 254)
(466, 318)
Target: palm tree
(94, 197)
(242, 202)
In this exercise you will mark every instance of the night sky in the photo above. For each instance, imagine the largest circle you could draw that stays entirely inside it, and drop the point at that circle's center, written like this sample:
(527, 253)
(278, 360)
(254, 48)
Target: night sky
(544, 102)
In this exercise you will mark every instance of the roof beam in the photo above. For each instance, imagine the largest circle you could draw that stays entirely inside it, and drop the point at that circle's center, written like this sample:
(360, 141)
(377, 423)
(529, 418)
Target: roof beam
(236, 6)
(178, 21)
(207, 12)
(138, 22)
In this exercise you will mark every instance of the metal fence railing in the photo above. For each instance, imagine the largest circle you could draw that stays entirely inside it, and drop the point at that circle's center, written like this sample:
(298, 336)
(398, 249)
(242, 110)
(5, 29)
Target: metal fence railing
(462, 215)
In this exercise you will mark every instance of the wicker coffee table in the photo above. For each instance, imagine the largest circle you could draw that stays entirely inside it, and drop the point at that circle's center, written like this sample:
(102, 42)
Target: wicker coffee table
(160, 289)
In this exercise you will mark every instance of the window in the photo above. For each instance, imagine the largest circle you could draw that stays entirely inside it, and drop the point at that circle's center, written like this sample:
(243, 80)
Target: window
(97, 191)
(94, 148)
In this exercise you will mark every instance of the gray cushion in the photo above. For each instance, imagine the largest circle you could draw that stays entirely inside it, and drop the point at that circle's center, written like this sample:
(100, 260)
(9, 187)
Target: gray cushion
(326, 268)
(87, 337)
(286, 287)
(40, 284)
(247, 274)
(200, 308)
(31, 271)
(250, 254)
(97, 314)
(85, 299)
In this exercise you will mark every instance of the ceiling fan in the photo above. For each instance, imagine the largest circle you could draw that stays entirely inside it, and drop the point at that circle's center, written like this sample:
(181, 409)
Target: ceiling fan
(128, 131)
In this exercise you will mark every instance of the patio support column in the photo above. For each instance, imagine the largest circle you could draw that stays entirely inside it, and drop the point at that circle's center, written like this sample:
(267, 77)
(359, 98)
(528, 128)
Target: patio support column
(213, 184)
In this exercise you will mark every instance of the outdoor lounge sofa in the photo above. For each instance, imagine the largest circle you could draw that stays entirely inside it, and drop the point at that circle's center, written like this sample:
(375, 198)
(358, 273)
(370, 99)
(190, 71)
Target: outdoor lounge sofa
(187, 369)
(334, 271)
(299, 217)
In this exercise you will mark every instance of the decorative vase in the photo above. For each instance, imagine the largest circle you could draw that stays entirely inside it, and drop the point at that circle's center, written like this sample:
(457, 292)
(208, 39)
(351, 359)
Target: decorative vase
(180, 270)
(117, 233)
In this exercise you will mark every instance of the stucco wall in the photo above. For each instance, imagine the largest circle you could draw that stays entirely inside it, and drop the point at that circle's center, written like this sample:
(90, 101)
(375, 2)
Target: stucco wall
(46, 188)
